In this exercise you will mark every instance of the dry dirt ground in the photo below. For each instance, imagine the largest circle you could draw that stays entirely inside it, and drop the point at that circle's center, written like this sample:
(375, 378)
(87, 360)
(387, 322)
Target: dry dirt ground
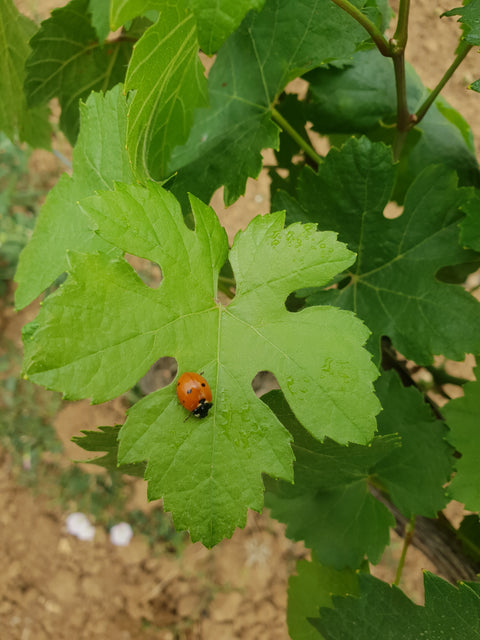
(55, 586)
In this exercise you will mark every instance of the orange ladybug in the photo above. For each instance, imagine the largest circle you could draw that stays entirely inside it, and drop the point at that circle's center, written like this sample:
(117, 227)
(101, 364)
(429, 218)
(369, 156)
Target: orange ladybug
(194, 394)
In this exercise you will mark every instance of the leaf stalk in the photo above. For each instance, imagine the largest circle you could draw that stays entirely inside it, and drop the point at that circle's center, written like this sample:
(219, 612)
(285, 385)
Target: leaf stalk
(409, 530)
(373, 31)
(303, 144)
(462, 52)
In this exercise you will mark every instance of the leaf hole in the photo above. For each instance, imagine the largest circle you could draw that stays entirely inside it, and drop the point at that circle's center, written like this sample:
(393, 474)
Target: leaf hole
(149, 272)
(160, 374)
(392, 211)
(264, 382)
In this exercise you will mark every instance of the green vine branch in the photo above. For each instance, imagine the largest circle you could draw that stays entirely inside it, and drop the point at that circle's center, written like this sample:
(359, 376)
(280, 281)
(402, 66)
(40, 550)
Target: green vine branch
(395, 49)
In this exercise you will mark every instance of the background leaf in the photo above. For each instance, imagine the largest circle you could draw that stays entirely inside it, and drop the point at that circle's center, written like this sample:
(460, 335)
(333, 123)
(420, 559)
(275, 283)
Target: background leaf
(424, 459)
(469, 19)
(361, 99)
(268, 50)
(100, 11)
(461, 415)
(383, 612)
(68, 62)
(98, 159)
(312, 587)
(393, 286)
(106, 439)
(31, 125)
(329, 506)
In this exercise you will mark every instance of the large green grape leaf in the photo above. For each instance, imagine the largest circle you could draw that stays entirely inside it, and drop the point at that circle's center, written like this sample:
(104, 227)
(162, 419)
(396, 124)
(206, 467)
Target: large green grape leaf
(215, 20)
(68, 62)
(470, 20)
(167, 78)
(98, 159)
(462, 415)
(268, 50)
(330, 506)
(102, 330)
(31, 124)
(393, 285)
(383, 612)
(414, 474)
(361, 98)
(311, 588)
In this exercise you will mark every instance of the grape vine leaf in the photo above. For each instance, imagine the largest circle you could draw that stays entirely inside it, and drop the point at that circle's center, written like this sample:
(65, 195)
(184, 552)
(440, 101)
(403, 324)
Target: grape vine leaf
(461, 415)
(215, 21)
(470, 20)
(102, 330)
(31, 124)
(330, 506)
(100, 12)
(98, 159)
(393, 285)
(68, 62)
(167, 80)
(361, 98)
(268, 50)
(415, 474)
(470, 226)
(105, 439)
(384, 612)
(311, 588)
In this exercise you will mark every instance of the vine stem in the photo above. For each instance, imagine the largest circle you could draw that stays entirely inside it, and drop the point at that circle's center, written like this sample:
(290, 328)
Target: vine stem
(409, 529)
(286, 126)
(463, 50)
(368, 25)
(398, 44)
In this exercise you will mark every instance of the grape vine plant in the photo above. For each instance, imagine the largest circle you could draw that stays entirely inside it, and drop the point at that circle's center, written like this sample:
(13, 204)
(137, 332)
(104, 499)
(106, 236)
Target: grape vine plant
(354, 311)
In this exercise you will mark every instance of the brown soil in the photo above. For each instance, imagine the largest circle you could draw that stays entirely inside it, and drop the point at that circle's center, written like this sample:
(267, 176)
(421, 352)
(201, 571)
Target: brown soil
(55, 586)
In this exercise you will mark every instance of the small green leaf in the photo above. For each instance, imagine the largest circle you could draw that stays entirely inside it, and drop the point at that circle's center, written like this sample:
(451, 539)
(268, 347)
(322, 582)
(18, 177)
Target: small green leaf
(168, 82)
(424, 459)
(383, 612)
(98, 159)
(102, 330)
(30, 124)
(100, 10)
(470, 20)
(393, 285)
(330, 506)
(106, 439)
(68, 62)
(461, 415)
(312, 588)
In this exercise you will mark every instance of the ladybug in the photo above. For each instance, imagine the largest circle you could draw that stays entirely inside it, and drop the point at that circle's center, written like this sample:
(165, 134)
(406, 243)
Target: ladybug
(194, 394)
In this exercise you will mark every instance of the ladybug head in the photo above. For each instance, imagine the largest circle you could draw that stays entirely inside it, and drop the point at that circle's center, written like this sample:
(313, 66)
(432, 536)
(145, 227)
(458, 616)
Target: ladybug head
(201, 411)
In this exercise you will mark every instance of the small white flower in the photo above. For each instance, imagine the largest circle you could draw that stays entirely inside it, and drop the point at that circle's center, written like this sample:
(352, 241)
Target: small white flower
(121, 534)
(78, 525)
